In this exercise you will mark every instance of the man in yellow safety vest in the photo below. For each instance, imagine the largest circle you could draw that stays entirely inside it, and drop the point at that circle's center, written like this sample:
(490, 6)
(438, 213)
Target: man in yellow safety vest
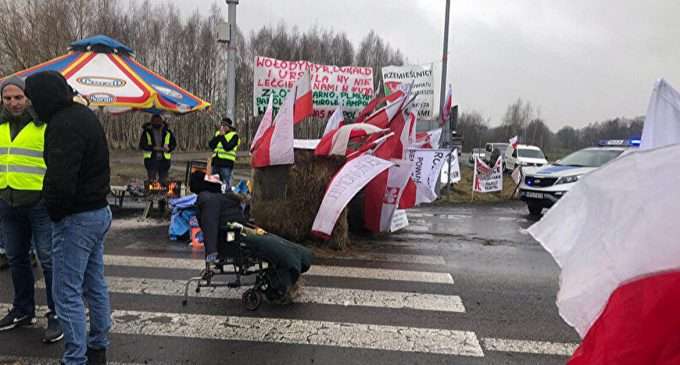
(224, 145)
(23, 213)
(158, 142)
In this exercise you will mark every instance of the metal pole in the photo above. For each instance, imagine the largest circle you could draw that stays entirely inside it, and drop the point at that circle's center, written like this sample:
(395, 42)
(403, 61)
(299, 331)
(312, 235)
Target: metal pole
(231, 60)
(442, 93)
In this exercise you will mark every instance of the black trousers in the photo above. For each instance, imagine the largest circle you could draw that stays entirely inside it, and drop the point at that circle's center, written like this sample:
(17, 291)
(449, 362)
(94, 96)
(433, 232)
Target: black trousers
(157, 170)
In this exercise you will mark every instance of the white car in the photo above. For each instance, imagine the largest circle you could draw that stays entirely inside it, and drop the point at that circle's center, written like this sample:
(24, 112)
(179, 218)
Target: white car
(542, 187)
(524, 155)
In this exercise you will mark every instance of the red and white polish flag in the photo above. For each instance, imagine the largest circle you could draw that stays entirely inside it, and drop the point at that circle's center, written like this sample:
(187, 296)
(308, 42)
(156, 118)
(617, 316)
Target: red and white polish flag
(351, 178)
(304, 103)
(514, 141)
(446, 108)
(383, 116)
(336, 141)
(335, 121)
(265, 123)
(275, 147)
(616, 243)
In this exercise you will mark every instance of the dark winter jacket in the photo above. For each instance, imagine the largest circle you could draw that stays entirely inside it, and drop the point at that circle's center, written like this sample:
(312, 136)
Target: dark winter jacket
(76, 150)
(144, 144)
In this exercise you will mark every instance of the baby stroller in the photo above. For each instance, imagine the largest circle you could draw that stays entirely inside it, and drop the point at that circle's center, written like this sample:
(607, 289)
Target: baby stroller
(275, 263)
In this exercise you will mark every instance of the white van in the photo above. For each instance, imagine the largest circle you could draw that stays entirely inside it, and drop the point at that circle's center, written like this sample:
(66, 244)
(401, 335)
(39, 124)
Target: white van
(524, 155)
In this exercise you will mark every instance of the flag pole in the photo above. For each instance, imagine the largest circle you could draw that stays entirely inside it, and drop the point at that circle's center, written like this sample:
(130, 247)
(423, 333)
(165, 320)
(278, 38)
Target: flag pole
(442, 93)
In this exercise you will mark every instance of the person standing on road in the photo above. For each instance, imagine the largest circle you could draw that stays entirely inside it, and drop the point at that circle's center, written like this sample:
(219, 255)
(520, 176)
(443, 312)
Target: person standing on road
(158, 142)
(224, 145)
(75, 191)
(23, 213)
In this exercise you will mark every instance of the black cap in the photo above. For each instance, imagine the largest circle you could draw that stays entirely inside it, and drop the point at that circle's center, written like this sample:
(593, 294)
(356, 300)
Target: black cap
(226, 121)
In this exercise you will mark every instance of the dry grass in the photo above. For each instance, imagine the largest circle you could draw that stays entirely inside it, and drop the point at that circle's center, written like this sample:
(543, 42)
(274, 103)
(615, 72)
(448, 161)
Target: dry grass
(287, 198)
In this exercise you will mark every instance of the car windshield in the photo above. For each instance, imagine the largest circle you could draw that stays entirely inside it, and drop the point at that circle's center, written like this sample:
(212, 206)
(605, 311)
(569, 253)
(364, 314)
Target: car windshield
(590, 158)
(530, 153)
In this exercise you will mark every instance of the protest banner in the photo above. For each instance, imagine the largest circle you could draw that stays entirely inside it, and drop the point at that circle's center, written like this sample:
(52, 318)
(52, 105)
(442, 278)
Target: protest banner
(455, 169)
(399, 220)
(427, 165)
(421, 77)
(486, 179)
(349, 86)
(345, 184)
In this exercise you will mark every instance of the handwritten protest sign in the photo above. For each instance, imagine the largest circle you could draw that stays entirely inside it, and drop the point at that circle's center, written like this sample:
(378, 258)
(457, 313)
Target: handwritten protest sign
(421, 76)
(350, 86)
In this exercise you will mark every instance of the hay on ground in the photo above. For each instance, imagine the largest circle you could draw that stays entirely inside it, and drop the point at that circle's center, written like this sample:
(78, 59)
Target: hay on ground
(287, 198)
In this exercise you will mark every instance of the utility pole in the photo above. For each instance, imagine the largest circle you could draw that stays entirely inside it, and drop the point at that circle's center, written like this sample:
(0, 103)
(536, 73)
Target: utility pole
(442, 94)
(231, 60)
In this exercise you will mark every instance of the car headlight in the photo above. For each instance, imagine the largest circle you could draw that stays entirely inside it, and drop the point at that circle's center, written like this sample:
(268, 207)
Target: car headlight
(567, 179)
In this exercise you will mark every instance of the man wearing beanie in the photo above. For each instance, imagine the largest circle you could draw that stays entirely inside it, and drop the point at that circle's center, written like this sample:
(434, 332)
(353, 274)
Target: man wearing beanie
(23, 212)
(76, 186)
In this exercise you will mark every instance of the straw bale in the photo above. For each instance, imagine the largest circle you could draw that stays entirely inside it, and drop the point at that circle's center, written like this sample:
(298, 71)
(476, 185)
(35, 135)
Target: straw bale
(287, 198)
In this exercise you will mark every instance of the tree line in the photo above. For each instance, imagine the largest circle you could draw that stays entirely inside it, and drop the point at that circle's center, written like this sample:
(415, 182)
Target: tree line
(183, 49)
(523, 120)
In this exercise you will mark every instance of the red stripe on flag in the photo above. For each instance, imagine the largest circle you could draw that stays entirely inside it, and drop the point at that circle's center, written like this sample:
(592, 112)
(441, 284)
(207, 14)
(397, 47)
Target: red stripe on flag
(260, 155)
(639, 325)
(304, 107)
(374, 194)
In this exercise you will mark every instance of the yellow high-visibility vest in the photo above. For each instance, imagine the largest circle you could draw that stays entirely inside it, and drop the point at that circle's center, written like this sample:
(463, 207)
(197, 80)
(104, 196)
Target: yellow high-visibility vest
(22, 165)
(166, 140)
(221, 153)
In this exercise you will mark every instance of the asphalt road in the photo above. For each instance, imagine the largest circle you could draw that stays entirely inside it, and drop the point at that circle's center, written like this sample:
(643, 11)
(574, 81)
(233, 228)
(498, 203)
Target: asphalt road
(460, 285)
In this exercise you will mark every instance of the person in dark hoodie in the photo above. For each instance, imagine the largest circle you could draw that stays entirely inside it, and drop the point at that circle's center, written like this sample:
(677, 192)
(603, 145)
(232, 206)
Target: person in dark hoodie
(23, 213)
(158, 142)
(75, 191)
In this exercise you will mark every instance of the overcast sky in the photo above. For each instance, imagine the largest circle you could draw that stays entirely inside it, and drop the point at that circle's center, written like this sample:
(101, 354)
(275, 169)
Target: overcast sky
(578, 61)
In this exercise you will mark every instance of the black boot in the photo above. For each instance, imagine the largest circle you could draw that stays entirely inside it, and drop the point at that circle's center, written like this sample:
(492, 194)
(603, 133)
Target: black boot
(96, 356)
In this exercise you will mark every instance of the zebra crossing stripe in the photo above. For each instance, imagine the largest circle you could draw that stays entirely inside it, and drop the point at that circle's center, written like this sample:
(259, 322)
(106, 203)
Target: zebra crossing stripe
(22, 360)
(294, 331)
(401, 258)
(316, 270)
(529, 347)
(309, 294)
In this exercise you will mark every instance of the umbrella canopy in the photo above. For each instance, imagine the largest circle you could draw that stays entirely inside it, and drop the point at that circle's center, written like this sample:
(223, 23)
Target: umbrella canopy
(104, 70)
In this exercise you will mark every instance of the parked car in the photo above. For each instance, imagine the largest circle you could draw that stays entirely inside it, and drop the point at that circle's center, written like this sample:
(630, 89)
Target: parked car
(542, 187)
(524, 155)
(477, 152)
(499, 149)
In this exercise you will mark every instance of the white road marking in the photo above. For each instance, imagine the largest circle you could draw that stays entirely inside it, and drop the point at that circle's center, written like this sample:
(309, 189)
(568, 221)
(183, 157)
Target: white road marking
(529, 347)
(294, 331)
(309, 294)
(23, 360)
(390, 257)
(316, 270)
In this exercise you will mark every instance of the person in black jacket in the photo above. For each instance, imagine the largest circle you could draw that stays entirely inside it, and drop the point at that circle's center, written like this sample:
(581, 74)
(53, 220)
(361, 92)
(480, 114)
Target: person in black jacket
(75, 189)
(158, 142)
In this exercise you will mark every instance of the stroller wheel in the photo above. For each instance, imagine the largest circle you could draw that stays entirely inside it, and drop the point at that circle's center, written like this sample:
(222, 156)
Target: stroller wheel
(251, 299)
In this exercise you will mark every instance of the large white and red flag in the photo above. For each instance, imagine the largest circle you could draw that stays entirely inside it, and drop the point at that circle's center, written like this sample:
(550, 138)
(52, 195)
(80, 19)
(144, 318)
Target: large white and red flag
(336, 142)
(275, 147)
(429, 139)
(370, 107)
(304, 105)
(383, 116)
(265, 123)
(615, 238)
(351, 178)
(381, 192)
(335, 121)
(662, 122)
(446, 107)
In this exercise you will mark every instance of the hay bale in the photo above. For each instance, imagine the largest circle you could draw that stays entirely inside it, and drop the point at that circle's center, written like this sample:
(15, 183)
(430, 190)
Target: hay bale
(287, 198)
